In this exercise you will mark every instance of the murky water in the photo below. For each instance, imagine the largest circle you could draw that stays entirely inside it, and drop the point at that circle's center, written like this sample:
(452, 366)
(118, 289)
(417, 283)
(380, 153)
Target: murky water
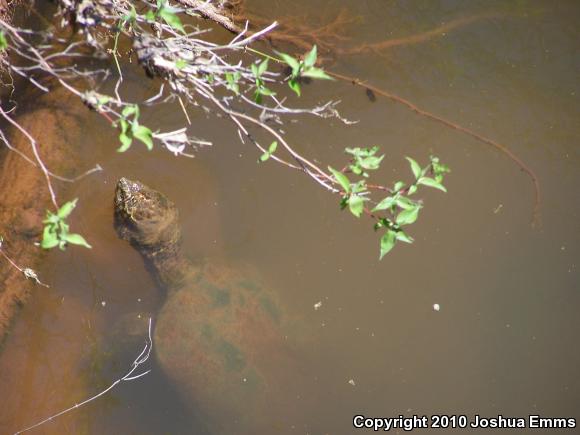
(505, 340)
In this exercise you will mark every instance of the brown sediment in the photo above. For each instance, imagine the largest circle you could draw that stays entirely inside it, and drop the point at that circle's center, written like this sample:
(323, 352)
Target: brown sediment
(24, 197)
(43, 372)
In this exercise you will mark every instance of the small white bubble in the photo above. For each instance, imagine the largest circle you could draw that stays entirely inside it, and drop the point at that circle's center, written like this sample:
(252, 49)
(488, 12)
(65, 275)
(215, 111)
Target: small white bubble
(317, 305)
(436, 307)
(103, 303)
(351, 382)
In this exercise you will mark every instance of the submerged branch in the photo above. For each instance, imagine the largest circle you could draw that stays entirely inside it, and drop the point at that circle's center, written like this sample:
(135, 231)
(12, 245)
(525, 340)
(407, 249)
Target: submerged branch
(418, 38)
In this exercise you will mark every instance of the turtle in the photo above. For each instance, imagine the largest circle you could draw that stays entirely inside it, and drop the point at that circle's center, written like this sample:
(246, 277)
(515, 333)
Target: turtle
(218, 335)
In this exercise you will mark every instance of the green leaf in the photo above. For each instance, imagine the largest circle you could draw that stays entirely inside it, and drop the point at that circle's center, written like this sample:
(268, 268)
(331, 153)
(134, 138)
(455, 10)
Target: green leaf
(51, 218)
(341, 178)
(387, 243)
(232, 82)
(180, 64)
(356, 204)
(407, 217)
(356, 169)
(414, 167)
(125, 142)
(405, 203)
(77, 239)
(316, 73)
(150, 16)
(371, 163)
(172, 19)
(3, 41)
(132, 109)
(385, 204)
(268, 154)
(144, 134)
(292, 63)
(398, 186)
(49, 237)
(362, 152)
(426, 181)
(254, 70)
(265, 91)
(295, 86)
(263, 67)
(124, 125)
(103, 99)
(400, 235)
(67, 209)
(63, 229)
(359, 187)
(310, 58)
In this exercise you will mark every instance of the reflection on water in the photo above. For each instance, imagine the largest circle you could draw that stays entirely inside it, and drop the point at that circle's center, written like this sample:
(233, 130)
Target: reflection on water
(505, 338)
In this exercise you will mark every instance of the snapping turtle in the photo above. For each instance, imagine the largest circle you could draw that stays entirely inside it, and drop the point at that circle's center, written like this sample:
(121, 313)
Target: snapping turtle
(217, 335)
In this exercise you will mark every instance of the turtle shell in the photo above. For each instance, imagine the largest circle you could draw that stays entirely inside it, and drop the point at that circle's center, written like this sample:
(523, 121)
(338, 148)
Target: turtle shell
(217, 338)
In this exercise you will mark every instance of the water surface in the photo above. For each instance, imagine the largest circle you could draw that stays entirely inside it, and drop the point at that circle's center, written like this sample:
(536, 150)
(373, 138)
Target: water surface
(505, 340)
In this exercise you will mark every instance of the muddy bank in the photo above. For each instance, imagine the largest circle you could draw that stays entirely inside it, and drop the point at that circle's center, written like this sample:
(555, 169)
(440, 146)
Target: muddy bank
(53, 120)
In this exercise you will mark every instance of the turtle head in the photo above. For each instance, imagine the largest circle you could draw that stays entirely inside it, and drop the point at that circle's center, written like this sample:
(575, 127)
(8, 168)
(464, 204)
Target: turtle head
(146, 218)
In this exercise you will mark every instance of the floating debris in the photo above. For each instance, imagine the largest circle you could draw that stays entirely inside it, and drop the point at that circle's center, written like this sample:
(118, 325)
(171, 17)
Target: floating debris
(351, 382)
(436, 307)
(371, 95)
(317, 305)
